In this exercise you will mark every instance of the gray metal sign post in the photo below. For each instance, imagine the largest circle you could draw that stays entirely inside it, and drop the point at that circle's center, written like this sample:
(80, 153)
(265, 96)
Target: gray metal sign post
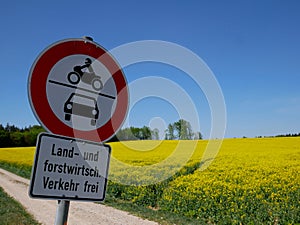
(62, 212)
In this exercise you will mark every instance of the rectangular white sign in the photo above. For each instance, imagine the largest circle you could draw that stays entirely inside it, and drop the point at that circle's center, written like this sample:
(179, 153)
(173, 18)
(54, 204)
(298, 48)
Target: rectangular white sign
(69, 169)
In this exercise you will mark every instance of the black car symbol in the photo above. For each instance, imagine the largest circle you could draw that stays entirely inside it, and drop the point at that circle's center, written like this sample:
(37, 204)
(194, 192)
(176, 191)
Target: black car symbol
(81, 105)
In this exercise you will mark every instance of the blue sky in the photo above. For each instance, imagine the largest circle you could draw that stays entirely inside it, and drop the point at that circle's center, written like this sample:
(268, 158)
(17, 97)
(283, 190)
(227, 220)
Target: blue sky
(252, 47)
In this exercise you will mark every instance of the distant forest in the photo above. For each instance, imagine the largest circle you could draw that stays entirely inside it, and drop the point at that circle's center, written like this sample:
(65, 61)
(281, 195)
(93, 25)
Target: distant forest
(12, 136)
(281, 135)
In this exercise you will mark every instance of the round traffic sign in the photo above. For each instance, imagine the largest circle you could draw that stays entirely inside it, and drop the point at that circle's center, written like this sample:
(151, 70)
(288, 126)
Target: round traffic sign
(77, 89)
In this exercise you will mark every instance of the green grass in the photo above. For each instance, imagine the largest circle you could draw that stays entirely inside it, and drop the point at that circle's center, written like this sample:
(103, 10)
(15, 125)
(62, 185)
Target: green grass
(152, 214)
(18, 169)
(12, 212)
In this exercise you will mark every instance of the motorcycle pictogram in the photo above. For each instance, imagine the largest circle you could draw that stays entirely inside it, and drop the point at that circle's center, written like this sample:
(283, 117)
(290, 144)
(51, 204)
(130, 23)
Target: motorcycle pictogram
(88, 77)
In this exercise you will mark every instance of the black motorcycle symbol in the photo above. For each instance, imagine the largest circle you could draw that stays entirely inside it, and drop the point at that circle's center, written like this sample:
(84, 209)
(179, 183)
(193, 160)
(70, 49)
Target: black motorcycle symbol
(88, 77)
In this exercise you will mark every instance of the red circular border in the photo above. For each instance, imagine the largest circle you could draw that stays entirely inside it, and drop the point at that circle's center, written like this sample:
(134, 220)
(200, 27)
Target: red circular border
(38, 96)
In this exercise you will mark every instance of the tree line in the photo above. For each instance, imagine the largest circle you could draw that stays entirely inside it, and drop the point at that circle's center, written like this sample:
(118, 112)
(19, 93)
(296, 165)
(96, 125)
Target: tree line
(12, 136)
(288, 135)
(281, 135)
(180, 130)
(135, 133)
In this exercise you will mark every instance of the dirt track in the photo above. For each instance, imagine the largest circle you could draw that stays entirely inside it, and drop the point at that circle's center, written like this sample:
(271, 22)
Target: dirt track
(84, 213)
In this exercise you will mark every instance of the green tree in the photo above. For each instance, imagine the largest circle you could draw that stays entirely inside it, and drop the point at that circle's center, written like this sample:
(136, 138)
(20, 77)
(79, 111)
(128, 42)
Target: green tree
(170, 132)
(155, 134)
(145, 133)
(198, 136)
(4, 138)
(136, 132)
(17, 139)
(181, 130)
(31, 133)
(125, 134)
(184, 130)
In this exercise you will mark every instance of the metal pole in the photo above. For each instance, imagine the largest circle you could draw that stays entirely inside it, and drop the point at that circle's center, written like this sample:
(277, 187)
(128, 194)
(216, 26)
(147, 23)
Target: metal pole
(62, 212)
(63, 206)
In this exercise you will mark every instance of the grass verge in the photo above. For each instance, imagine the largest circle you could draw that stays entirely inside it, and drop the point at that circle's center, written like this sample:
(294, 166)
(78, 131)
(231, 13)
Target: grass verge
(12, 212)
(18, 169)
(162, 217)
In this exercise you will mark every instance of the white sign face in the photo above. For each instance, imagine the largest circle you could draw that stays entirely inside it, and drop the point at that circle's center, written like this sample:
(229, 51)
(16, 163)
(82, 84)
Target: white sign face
(81, 95)
(68, 168)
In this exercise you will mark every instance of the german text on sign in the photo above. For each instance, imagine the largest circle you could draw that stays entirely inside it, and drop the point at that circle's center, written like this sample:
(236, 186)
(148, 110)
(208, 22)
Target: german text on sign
(68, 168)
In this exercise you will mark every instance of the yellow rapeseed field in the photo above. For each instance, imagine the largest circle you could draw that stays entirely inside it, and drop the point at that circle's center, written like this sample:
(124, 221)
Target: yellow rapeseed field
(18, 155)
(250, 181)
(253, 181)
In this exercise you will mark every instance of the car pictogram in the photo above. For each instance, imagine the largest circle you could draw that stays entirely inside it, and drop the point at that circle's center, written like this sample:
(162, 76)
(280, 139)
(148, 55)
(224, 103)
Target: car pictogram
(81, 105)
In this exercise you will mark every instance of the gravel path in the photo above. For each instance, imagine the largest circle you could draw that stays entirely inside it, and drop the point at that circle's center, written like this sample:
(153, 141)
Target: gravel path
(84, 213)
